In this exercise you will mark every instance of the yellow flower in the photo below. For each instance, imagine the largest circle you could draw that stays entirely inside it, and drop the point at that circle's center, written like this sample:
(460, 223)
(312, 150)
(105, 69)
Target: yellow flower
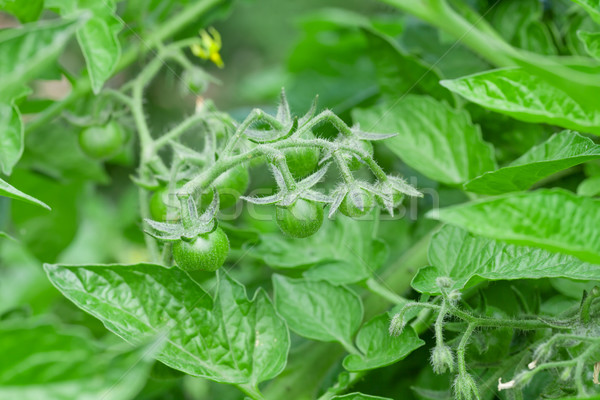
(209, 46)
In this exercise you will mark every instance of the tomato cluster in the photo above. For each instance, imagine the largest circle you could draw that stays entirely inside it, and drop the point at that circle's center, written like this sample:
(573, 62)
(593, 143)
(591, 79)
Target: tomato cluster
(300, 219)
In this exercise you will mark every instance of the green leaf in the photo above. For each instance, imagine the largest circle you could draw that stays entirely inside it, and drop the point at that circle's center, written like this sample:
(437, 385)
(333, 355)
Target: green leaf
(26, 51)
(9, 191)
(552, 219)
(526, 97)
(318, 310)
(563, 150)
(11, 137)
(592, 7)
(399, 73)
(591, 42)
(231, 340)
(379, 347)
(436, 140)
(469, 259)
(24, 10)
(342, 251)
(101, 49)
(359, 396)
(52, 362)
(589, 187)
(98, 37)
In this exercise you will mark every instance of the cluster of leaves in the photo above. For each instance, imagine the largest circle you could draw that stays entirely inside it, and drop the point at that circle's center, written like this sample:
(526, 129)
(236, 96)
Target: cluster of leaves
(492, 106)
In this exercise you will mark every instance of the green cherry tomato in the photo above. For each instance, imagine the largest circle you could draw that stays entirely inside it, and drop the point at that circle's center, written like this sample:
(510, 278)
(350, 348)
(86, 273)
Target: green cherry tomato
(230, 185)
(301, 219)
(351, 205)
(162, 207)
(302, 161)
(207, 252)
(353, 162)
(102, 142)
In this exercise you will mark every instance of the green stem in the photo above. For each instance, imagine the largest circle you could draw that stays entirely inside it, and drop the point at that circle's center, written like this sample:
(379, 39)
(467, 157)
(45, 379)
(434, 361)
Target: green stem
(151, 244)
(83, 86)
(178, 130)
(204, 180)
(439, 325)
(350, 348)
(461, 350)
(344, 170)
(375, 287)
(251, 391)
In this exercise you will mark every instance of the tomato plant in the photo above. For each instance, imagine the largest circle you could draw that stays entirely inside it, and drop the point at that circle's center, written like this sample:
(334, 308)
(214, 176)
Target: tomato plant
(429, 229)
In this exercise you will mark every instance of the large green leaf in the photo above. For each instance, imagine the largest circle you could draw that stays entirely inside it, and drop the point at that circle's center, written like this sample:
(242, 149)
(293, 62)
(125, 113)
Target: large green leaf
(232, 340)
(527, 97)
(343, 251)
(591, 42)
(26, 51)
(555, 219)
(46, 361)
(379, 348)
(436, 140)
(561, 151)
(469, 259)
(318, 310)
(11, 137)
(9, 191)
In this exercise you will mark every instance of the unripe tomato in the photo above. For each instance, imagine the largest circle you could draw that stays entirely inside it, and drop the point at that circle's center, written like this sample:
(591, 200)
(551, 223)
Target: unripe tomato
(102, 142)
(353, 162)
(230, 185)
(303, 160)
(351, 205)
(206, 252)
(162, 207)
(301, 219)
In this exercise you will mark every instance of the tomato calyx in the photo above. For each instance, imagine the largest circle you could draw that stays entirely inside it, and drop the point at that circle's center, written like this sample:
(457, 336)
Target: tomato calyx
(191, 224)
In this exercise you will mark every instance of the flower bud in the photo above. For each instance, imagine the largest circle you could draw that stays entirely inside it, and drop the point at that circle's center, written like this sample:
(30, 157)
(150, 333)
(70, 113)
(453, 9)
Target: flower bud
(465, 387)
(444, 282)
(442, 359)
(397, 324)
(542, 353)
(454, 296)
